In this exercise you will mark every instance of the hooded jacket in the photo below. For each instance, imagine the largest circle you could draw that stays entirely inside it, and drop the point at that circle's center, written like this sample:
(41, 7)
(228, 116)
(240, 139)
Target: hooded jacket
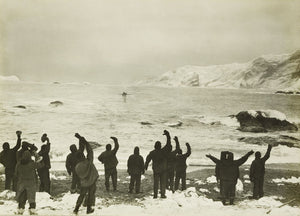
(257, 168)
(135, 163)
(181, 160)
(26, 176)
(228, 169)
(109, 158)
(8, 157)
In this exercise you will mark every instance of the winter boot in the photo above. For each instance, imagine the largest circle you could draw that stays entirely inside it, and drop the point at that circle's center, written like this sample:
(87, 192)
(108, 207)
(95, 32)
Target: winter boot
(76, 209)
(89, 210)
(20, 211)
(32, 211)
(231, 201)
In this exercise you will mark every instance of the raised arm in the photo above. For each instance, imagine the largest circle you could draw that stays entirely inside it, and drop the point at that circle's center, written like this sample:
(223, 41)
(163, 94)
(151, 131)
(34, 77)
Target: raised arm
(177, 144)
(267, 155)
(116, 148)
(188, 153)
(90, 153)
(81, 144)
(168, 146)
(243, 159)
(214, 159)
(18, 145)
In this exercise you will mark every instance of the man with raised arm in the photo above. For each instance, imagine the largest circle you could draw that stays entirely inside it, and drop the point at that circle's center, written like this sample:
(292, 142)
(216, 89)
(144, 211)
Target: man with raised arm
(110, 161)
(8, 157)
(159, 165)
(181, 167)
(88, 175)
(43, 172)
(257, 173)
(27, 180)
(228, 171)
(171, 161)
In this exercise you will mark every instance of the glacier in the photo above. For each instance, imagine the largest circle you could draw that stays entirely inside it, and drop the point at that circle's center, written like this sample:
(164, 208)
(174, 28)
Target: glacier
(274, 72)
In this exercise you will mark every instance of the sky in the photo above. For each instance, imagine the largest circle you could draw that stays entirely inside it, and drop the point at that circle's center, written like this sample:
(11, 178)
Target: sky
(122, 41)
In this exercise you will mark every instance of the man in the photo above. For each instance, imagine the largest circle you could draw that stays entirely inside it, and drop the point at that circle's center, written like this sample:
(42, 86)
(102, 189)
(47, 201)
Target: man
(159, 165)
(171, 160)
(257, 172)
(110, 161)
(135, 168)
(27, 180)
(43, 172)
(229, 173)
(71, 162)
(181, 167)
(88, 175)
(9, 161)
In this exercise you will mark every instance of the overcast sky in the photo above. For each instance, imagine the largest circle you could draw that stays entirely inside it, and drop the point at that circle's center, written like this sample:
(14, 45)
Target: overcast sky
(117, 42)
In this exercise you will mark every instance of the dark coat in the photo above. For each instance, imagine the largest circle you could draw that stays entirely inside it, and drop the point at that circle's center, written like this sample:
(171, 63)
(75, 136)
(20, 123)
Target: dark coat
(229, 168)
(159, 158)
(135, 164)
(85, 169)
(44, 152)
(171, 157)
(9, 157)
(257, 169)
(181, 160)
(109, 158)
(25, 173)
(71, 162)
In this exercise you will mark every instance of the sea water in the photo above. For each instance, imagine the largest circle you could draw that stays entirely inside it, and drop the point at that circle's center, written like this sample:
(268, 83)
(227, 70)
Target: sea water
(98, 112)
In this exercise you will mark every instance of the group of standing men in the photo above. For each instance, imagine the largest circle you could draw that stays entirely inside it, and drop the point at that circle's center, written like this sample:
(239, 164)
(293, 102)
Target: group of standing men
(227, 173)
(20, 170)
(168, 167)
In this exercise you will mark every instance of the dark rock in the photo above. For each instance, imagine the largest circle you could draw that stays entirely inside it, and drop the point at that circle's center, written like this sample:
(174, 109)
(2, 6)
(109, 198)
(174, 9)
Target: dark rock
(146, 123)
(20, 106)
(260, 123)
(56, 103)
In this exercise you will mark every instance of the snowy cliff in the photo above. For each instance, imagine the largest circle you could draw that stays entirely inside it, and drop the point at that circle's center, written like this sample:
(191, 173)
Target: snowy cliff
(268, 72)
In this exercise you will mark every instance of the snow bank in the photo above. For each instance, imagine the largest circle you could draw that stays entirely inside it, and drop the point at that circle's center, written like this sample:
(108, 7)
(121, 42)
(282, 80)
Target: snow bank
(268, 114)
(9, 78)
(211, 179)
(293, 180)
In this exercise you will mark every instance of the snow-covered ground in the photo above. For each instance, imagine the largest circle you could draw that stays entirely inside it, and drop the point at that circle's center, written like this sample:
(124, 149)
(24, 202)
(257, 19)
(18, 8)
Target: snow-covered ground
(189, 202)
(293, 180)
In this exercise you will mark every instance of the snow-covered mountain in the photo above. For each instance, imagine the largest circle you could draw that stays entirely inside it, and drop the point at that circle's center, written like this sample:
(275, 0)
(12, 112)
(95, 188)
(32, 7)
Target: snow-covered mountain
(278, 72)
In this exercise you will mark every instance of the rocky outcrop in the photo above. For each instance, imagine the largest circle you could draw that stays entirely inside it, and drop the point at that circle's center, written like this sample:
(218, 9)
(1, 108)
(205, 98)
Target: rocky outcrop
(263, 121)
(56, 103)
(20, 107)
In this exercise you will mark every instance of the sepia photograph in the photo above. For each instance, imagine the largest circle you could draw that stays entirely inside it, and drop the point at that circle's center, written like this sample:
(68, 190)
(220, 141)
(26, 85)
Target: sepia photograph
(150, 107)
